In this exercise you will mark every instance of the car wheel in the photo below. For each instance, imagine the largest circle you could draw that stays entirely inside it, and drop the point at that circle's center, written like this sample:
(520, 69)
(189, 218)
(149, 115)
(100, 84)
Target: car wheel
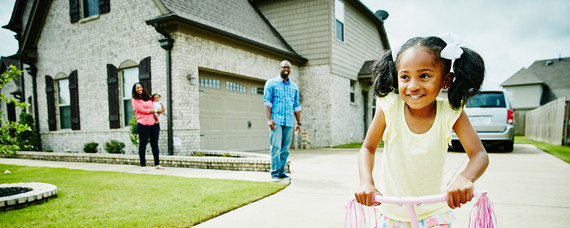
(508, 146)
(456, 146)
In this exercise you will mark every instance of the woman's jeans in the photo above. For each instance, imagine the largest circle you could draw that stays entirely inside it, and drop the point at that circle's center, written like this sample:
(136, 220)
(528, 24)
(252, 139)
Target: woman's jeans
(280, 140)
(145, 133)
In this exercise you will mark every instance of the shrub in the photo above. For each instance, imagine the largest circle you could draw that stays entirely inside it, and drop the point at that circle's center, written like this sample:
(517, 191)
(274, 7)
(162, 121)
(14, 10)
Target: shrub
(49, 150)
(8, 129)
(29, 139)
(198, 154)
(90, 147)
(133, 134)
(114, 147)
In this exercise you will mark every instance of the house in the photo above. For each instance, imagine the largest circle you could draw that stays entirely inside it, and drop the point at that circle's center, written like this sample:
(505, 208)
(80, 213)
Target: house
(209, 59)
(13, 90)
(544, 81)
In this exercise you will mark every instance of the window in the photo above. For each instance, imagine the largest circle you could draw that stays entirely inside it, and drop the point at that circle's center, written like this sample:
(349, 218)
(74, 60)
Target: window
(232, 86)
(257, 90)
(210, 83)
(90, 8)
(128, 78)
(86, 8)
(64, 103)
(352, 85)
(339, 18)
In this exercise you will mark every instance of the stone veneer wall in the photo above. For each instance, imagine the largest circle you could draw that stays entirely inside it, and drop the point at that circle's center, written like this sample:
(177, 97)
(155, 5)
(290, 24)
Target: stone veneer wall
(88, 46)
(346, 115)
(315, 96)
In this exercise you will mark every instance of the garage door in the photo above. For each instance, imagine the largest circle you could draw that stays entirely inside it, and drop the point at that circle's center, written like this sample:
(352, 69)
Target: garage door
(232, 116)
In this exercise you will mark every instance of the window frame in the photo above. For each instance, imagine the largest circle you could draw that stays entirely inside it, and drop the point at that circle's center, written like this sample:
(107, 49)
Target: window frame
(352, 91)
(235, 87)
(210, 83)
(125, 94)
(339, 20)
(84, 8)
(59, 105)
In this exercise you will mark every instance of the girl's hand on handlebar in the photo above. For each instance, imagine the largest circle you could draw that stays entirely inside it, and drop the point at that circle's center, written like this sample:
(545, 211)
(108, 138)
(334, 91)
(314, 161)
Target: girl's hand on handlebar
(365, 195)
(460, 192)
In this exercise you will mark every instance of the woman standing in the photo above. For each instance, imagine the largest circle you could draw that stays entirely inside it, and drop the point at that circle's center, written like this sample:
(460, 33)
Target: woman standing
(147, 125)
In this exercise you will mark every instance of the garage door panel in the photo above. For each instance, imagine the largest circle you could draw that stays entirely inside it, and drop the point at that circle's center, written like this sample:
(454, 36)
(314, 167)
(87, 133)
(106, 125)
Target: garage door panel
(232, 117)
(254, 107)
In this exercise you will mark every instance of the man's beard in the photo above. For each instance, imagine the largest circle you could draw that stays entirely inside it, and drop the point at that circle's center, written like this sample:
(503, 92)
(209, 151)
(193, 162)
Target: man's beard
(283, 75)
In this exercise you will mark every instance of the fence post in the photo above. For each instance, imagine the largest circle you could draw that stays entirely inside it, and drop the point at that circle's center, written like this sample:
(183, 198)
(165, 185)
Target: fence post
(565, 138)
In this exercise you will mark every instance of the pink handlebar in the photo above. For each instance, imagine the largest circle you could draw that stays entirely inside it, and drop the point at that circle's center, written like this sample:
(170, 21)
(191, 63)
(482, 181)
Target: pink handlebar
(419, 200)
(485, 217)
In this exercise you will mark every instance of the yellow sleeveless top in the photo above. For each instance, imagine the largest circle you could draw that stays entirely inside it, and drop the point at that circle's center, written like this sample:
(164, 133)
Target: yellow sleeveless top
(412, 164)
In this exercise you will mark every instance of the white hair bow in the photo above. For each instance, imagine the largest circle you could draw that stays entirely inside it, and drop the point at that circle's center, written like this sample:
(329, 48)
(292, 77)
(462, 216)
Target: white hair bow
(452, 51)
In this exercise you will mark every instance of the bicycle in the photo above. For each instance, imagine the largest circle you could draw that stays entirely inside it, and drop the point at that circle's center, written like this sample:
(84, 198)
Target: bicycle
(485, 217)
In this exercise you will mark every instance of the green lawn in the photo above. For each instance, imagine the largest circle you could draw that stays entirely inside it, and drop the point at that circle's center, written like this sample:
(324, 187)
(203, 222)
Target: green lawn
(561, 152)
(357, 145)
(112, 199)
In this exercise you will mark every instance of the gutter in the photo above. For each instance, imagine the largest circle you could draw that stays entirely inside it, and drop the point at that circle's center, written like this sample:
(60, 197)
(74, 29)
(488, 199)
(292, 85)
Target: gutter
(166, 43)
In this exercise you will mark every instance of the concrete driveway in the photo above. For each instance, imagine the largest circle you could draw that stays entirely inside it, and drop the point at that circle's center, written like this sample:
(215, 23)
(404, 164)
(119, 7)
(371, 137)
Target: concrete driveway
(529, 188)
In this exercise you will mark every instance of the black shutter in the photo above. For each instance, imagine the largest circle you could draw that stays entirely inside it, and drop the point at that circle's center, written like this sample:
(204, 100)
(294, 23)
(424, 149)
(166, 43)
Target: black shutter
(11, 117)
(11, 112)
(113, 96)
(104, 6)
(74, 92)
(144, 74)
(50, 103)
(74, 10)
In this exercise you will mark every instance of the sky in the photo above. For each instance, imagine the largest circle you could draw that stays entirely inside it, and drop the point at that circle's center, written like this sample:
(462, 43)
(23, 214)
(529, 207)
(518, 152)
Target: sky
(508, 34)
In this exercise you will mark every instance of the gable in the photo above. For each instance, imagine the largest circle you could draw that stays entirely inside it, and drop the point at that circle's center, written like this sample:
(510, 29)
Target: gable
(554, 73)
(236, 19)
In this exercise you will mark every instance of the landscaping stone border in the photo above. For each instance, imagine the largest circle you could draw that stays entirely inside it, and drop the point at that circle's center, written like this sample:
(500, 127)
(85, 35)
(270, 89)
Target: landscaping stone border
(40, 192)
(213, 159)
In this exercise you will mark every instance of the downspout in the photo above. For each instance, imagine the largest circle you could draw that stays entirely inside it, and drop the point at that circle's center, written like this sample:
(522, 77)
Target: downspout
(33, 71)
(22, 84)
(166, 43)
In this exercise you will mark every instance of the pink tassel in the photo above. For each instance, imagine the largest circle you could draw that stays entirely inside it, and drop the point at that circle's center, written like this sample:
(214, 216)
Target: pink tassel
(355, 207)
(484, 214)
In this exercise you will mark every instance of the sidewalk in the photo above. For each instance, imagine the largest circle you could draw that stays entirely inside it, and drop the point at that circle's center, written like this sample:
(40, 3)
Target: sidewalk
(529, 188)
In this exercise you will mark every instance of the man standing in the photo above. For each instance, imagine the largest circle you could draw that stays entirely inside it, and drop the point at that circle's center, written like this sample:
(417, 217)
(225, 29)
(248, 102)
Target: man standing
(281, 100)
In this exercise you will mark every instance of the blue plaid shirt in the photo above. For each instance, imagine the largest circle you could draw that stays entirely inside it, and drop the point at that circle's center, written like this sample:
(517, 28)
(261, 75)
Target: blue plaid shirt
(283, 99)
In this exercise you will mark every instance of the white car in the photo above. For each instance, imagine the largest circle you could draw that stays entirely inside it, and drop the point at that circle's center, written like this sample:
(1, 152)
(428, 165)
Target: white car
(492, 116)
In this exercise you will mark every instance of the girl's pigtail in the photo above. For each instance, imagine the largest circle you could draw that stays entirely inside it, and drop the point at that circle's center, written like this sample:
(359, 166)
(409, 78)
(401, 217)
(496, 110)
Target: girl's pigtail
(469, 72)
(384, 75)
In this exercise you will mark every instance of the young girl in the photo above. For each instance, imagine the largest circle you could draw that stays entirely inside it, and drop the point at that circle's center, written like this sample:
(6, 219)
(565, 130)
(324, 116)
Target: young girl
(416, 128)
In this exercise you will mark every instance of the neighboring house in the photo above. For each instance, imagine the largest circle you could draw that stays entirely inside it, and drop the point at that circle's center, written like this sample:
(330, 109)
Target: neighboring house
(544, 81)
(210, 57)
(13, 90)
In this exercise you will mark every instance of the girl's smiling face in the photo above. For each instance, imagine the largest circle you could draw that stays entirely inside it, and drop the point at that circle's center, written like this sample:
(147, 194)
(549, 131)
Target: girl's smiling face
(420, 78)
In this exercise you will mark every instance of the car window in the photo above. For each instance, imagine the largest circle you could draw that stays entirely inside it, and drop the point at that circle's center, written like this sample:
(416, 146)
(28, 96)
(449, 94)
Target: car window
(487, 100)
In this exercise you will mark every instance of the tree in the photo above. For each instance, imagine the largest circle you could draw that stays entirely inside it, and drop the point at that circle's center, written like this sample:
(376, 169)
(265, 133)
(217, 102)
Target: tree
(8, 144)
(28, 140)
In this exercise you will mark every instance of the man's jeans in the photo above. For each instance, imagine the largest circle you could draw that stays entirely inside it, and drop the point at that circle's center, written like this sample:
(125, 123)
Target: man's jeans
(280, 139)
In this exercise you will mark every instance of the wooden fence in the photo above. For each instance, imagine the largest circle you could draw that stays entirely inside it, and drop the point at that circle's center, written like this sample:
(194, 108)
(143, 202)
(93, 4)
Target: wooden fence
(549, 123)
